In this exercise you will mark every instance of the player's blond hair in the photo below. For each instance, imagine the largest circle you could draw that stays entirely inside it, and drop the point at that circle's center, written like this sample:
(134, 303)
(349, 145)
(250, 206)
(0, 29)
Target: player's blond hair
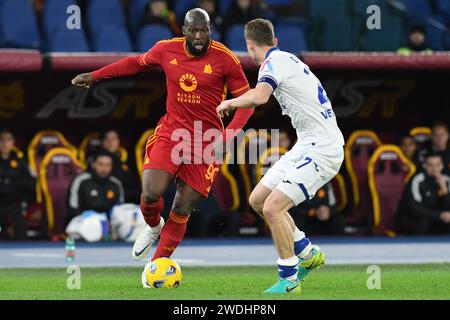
(260, 31)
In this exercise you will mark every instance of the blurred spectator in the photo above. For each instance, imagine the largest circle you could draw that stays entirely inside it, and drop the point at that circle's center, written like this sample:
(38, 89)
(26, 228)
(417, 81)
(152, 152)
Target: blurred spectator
(319, 215)
(409, 148)
(417, 41)
(95, 189)
(439, 143)
(425, 206)
(110, 144)
(283, 9)
(242, 11)
(16, 185)
(157, 12)
(38, 5)
(210, 7)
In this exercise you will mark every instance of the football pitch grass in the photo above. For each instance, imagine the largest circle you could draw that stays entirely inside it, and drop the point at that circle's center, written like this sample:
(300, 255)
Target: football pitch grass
(415, 281)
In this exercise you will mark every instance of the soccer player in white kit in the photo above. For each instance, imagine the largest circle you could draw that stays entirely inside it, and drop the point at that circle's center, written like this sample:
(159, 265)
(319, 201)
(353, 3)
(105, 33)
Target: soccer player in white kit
(313, 161)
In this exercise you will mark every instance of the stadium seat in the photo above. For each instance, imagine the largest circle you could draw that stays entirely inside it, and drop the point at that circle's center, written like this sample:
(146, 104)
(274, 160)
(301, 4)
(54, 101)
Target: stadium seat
(55, 15)
(387, 7)
(292, 21)
(17, 151)
(18, 25)
(340, 192)
(101, 13)
(291, 39)
(88, 146)
(41, 143)
(238, 176)
(388, 171)
(278, 3)
(64, 40)
(267, 159)
(112, 38)
(437, 32)
(59, 167)
(417, 11)
(225, 7)
(91, 143)
(333, 30)
(235, 38)
(139, 150)
(326, 8)
(225, 190)
(392, 34)
(253, 144)
(216, 36)
(330, 20)
(136, 10)
(420, 135)
(443, 7)
(182, 6)
(359, 147)
(389, 38)
(150, 34)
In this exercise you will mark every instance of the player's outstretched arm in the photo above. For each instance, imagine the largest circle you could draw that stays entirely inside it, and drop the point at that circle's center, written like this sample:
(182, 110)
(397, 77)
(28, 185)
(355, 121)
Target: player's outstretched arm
(252, 98)
(124, 67)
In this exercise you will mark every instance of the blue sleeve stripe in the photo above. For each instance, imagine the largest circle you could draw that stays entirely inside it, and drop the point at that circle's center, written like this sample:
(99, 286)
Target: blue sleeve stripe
(304, 190)
(271, 81)
(268, 76)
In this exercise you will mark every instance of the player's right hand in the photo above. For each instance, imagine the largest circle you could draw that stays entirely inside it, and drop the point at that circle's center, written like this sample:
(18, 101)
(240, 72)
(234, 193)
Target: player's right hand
(224, 108)
(84, 80)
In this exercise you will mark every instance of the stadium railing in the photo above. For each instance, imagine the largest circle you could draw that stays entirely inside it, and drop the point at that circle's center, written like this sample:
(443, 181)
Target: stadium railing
(33, 60)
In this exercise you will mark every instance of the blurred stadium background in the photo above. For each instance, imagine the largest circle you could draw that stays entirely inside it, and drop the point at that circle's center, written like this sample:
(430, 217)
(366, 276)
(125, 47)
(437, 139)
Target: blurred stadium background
(379, 94)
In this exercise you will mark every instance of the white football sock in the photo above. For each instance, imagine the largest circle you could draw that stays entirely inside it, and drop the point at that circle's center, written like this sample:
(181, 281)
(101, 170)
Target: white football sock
(290, 262)
(306, 253)
(298, 235)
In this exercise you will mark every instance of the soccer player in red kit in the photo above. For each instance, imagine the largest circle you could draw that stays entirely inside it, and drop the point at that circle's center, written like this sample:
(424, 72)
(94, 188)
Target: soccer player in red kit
(199, 71)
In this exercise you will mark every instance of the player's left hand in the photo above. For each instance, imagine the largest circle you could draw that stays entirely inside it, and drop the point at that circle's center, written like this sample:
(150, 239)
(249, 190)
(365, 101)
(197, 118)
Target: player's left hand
(224, 108)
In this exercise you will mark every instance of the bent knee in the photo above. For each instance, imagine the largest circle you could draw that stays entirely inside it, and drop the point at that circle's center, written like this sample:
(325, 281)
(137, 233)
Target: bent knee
(151, 196)
(182, 209)
(256, 202)
(271, 212)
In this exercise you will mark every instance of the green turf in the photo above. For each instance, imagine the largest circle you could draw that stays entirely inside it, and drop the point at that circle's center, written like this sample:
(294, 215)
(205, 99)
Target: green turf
(426, 281)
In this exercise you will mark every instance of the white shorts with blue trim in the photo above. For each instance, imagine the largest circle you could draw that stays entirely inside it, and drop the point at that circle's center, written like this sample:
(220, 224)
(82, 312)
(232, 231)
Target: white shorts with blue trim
(303, 170)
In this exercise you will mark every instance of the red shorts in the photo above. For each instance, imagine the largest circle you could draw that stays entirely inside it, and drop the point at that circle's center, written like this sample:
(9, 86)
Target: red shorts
(158, 155)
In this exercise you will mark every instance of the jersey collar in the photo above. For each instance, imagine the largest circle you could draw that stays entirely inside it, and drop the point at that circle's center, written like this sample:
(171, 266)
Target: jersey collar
(270, 51)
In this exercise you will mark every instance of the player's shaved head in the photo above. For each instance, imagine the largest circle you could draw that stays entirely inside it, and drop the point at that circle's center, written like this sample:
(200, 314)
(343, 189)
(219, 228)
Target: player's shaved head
(196, 16)
(197, 29)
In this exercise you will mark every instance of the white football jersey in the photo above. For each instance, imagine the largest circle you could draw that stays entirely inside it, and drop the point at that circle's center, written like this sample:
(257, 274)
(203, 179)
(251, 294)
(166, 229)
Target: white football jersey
(301, 97)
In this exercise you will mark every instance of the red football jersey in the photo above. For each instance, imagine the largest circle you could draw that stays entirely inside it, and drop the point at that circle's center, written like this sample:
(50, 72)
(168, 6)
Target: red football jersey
(195, 85)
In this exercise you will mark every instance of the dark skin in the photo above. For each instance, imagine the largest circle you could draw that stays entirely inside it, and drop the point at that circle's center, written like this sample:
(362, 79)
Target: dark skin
(197, 29)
